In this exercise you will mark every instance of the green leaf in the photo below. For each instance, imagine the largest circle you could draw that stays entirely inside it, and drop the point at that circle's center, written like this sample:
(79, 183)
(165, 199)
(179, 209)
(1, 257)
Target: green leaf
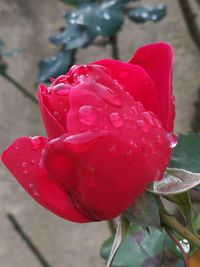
(138, 249)
(74, 36)
(175, 181)
(186, 155)
(55, 66)
(104, 20)
(184, 204)
(145, 13)
(145, 211)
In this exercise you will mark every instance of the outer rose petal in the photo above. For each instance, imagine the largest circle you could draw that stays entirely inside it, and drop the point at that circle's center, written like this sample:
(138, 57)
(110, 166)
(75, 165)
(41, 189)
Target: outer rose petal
(157, 59)
(107, 173)
(53, 127)
(134, 80)
(22, 158)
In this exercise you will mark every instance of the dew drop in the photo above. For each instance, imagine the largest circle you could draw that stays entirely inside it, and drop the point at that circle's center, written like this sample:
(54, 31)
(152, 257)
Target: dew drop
(56, 114)
(109, 95)
(33, 189)
(87, 115)
(113, 150)
(158, 123)
(16, 150)
(172, 139)
(148, 118)
(116, 119)
(133, 110)
(36, 142)
(32, 162)
(142, 125)
(25, 168)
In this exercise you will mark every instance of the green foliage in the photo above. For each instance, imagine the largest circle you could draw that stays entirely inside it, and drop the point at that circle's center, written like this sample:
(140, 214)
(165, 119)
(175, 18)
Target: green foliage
(145, 13)
(140, 249)
(145, 211)
(56, 65)
(186, 155)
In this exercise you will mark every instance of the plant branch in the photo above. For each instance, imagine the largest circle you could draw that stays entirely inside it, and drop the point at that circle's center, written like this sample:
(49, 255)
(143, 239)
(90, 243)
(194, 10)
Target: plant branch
(176, 241)
(114, 45)
(19, 87)
(190, 19)
(172, 223)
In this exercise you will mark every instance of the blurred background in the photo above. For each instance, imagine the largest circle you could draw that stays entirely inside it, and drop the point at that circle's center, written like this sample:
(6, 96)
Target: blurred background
(27, 25)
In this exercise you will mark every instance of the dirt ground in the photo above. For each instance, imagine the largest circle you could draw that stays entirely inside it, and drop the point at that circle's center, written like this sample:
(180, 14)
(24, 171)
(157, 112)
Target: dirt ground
(27, 25)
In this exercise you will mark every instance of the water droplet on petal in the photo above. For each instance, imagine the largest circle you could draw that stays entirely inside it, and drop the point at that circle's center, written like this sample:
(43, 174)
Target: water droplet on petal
(16, 150)
(36, 142)
(116, 119)
(56, 114)
(25, 168)
(62, 89)
(158, 123)
(134, 111)
(109, 95)
(148, 117)
(142, 125)
(33, 190)
(32, 161)
(172, 139)
(152, 149)
(112, 151)
(87, 115)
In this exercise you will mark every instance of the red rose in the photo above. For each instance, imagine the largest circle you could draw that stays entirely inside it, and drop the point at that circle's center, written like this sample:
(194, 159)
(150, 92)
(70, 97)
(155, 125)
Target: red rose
(109, 126)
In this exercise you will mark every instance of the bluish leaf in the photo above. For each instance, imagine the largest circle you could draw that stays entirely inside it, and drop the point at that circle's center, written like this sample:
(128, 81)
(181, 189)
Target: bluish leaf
(145, 13)
(74, 36)
(55, 66)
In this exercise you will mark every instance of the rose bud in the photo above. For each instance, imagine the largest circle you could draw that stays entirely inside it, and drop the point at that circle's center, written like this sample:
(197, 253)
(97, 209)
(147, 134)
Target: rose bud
(109, 125)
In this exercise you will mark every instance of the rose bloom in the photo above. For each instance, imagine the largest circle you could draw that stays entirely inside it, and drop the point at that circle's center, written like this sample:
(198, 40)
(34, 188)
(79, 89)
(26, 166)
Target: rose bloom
(109, 125)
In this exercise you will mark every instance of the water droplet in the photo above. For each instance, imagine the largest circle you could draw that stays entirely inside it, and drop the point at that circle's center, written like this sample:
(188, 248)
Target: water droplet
(25, 168)
(33, 189)
(109, 95)
(32, 161)
(172, 139)
(158, 123)
(148, 117)
(62, 89)
(112, 151)
(131, 142)
(16, 150)
(185, 245)
(157, 175)
(116, 119)
(56, 114)
(133, 110)
(106, 16)
(36, 142)
(142, 125)
(87, 115)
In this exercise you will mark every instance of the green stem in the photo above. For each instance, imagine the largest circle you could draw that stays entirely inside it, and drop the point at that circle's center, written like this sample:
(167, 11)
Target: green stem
(114, 45)
(19, 87)
(176, 241)
(172, 223)
(111, 226)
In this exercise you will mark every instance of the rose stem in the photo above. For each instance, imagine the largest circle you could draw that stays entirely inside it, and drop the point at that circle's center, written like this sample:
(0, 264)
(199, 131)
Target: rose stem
(114, 45)
(23, 90)
(175, 240)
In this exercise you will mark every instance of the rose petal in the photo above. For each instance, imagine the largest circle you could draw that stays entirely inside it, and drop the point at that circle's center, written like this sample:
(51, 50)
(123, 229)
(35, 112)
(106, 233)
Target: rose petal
(22, 158)
(53, 126)
(134, 80)
(157, 59)
(109, 172)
